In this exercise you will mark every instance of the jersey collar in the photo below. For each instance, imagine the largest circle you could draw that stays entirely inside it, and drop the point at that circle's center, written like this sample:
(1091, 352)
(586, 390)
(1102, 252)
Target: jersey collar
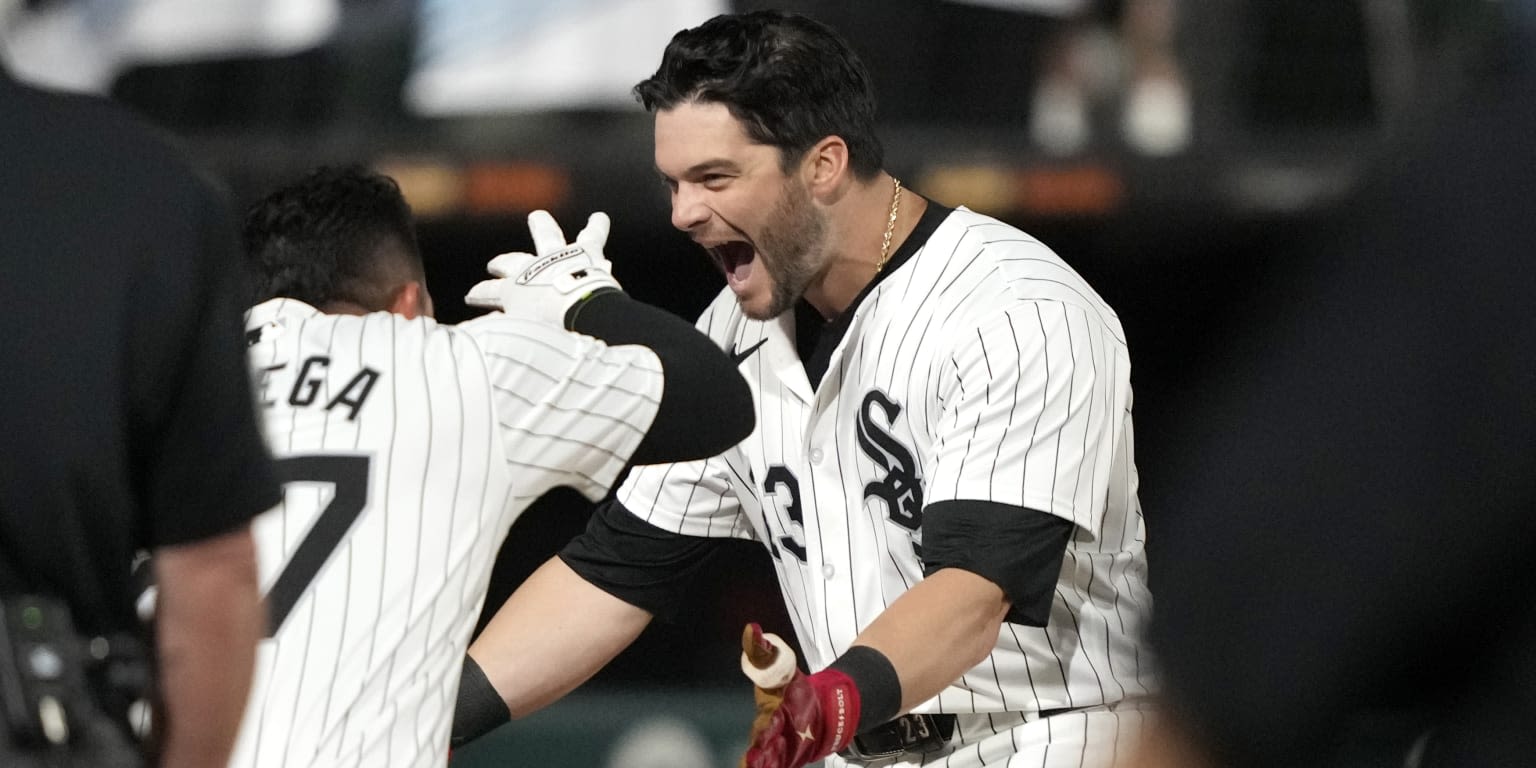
(815, 339)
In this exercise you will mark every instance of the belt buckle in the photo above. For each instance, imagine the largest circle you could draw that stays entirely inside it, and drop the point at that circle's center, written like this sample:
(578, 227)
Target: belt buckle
(908, 733)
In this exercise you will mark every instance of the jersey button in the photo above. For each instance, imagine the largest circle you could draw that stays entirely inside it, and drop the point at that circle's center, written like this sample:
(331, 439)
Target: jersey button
(816, 455)
(828, 571)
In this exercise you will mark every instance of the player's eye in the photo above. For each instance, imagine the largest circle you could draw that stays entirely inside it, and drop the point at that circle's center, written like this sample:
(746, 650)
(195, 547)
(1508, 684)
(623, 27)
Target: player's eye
(714, 181)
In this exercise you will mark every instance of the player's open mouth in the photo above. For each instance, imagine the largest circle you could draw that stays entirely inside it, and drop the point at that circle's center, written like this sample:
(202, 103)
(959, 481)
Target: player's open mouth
(734, 259)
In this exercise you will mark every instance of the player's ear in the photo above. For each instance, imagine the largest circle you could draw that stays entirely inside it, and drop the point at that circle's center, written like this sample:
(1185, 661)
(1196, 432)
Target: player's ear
(411, 300)
(826, 166)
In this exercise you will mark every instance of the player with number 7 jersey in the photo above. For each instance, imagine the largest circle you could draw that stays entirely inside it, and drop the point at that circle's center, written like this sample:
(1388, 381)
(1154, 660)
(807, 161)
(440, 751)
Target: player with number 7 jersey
(408, 448)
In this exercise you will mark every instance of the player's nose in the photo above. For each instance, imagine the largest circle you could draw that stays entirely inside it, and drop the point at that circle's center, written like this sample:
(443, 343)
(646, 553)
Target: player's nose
(688, 208)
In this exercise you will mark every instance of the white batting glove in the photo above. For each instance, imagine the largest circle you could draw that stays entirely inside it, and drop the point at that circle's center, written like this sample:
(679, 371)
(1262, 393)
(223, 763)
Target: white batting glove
(544, 285)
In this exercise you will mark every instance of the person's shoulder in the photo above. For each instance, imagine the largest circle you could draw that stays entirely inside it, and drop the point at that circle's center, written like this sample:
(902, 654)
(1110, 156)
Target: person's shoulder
(273, 323)
(276, 318)
(498, 334)
(91, 131)
(34, 104)
(986, 233)
(276, 308)
(976, 242)
(1019, 268)
(508, 347)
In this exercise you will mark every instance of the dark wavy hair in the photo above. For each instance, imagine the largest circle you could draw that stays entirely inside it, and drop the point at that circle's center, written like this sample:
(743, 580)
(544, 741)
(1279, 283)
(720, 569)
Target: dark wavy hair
(790, 80)
(337, 234)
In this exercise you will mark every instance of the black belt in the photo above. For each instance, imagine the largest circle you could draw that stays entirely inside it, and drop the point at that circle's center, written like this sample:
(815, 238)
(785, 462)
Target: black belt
(911, 733)
(908, 733)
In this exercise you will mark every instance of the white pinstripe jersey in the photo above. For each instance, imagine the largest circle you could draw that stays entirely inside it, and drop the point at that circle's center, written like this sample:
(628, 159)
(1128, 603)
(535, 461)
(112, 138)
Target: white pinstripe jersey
(407, 449)
(981, 368)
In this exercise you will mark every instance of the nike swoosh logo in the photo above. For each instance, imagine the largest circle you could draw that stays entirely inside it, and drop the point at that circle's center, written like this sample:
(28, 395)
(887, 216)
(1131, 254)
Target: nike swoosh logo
(741, 357)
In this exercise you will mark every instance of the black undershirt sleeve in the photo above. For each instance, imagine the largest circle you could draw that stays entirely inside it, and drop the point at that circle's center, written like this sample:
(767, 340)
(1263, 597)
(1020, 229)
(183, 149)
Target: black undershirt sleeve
(637, 562)
(1016, 548)
(706, 406)
(478, 709)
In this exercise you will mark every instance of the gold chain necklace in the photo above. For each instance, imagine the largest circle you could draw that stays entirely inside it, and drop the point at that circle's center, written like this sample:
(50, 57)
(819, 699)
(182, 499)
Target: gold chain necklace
(890, 227)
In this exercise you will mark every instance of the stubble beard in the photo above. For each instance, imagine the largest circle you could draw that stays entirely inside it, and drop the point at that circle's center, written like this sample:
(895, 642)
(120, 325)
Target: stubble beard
(795, 235)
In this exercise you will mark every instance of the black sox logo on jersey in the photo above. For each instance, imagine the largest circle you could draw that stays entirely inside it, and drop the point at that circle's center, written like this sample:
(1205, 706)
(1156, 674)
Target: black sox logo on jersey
(901, 489)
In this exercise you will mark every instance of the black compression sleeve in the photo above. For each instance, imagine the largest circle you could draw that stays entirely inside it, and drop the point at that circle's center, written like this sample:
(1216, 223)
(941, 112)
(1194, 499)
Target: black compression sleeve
(637, 562)
(706, 406)
(879, 687)
(479, 709)
(1016, 548)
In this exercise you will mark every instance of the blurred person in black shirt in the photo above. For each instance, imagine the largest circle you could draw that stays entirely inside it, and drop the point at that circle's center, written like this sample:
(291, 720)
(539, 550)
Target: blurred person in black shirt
(127, 425)
(1357, 514)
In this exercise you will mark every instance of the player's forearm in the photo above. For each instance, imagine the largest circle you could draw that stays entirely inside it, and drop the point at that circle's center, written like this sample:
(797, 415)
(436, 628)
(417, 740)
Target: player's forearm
(706, 406)
(208, 621)
(552, 635)
(940, 628)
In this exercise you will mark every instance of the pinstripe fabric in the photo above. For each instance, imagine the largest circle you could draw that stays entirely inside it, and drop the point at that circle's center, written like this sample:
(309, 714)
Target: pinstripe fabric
(983, 368)
(462, 428)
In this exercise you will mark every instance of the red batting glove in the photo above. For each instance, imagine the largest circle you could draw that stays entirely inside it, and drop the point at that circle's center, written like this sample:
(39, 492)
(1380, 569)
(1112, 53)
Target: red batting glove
(803, 721)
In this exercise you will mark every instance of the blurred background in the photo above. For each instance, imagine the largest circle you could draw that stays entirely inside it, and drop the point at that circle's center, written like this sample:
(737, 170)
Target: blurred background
(1170, 150)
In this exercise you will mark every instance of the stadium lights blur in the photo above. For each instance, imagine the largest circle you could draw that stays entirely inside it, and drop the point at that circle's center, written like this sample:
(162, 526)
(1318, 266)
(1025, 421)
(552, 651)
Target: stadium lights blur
(1050, 190)
(437, 188)
(432, 188)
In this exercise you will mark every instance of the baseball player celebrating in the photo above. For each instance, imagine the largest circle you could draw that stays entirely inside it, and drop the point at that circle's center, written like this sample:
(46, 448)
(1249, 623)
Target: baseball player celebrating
(408, 448)
(942, 471)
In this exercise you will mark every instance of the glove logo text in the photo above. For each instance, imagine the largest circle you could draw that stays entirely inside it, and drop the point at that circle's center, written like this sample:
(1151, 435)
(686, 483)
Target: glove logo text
(532, 272)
